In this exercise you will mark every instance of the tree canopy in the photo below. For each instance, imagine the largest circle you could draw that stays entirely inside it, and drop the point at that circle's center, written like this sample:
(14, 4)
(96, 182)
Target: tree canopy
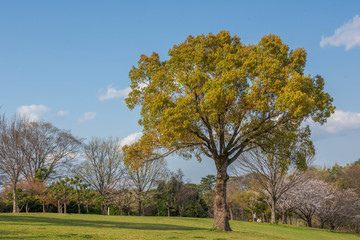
(219, 98)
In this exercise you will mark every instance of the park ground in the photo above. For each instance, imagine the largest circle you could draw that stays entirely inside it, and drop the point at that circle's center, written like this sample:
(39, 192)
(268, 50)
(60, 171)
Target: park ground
(78, 226)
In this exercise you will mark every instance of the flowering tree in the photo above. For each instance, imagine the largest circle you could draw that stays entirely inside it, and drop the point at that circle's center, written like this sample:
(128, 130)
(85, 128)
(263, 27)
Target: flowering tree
(338, 205)
(310, 196)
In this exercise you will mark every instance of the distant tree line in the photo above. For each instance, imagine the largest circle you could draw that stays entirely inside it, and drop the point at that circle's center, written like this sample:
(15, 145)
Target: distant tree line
(46, 169)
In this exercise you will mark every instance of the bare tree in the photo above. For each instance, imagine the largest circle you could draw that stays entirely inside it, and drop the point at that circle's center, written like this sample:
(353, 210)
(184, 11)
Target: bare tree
(124, 197)
(12, 159)
(144, 178)
(102, 167)
(274, 173)
(48, 149)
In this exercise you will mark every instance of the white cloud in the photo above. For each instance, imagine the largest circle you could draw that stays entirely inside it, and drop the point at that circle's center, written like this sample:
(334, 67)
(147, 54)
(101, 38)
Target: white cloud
(88, 116)
(347, 35)
(62, 113)
(32, 112)
(130, 139)
(339, 122)
(112, 93)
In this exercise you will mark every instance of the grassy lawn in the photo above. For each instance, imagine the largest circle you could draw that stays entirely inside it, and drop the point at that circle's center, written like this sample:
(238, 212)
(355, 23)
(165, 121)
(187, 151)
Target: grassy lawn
(74, 226)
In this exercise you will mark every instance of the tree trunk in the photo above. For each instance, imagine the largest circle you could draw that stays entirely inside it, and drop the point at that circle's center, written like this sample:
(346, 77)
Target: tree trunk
(168, 208)
(231, 212)
(308, 221)
(79, 204)
(273, 211)
(65, 209)
(59, 207)
(15, 199)
(322, 224)
(332, 226)
(27, 207)
(102, 209)
(180, 211)
(43, 206)
(282, 217)
(221, 213)
(87, 207)
(139, 206)
(65, 202)
(120, 209)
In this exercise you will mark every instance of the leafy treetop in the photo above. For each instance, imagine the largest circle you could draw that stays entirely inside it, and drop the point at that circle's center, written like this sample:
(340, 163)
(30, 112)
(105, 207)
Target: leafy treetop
(219, 97)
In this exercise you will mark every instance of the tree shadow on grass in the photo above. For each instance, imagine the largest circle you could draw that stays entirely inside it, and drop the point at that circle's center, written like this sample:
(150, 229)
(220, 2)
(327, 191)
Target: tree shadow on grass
(31, 220)
(16, 235)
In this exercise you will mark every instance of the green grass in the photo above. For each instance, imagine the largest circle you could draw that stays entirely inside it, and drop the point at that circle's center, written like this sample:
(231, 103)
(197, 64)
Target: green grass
(74, 226)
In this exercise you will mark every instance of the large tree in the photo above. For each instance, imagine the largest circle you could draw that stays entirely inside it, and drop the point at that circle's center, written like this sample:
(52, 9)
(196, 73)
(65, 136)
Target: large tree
(219, 98)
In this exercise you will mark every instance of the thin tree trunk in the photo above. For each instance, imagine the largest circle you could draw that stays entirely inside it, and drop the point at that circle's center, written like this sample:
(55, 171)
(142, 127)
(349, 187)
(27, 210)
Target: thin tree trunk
(27, 207)
(273, 211)
(79, 204)
(139, 206)
(168, 208)
(322, 224)
(43, 206)
(59, 207)
(231, 212)
(120, 210)
(332, 226)
(103, 209)
(65, 209)
(15, 199)
(309, 223)
(221, 213)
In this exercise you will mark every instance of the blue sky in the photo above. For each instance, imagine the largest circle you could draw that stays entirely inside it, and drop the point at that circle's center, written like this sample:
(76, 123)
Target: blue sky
(67, 62)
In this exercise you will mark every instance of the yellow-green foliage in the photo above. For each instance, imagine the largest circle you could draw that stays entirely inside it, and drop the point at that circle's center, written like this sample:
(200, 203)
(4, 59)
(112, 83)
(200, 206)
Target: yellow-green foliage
(218, 97)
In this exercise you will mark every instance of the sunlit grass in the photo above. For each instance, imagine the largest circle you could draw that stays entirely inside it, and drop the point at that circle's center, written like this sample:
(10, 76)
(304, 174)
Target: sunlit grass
(74, 226)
